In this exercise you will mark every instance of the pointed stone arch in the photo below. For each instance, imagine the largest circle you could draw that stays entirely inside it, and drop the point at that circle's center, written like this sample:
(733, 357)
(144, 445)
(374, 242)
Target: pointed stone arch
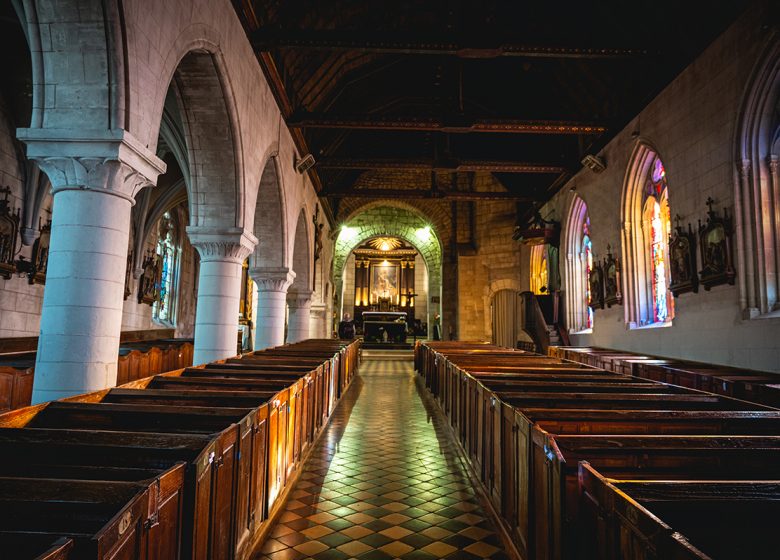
(270, 224)
(637, 231)
(213, 142)
(757, 187)
(575, 270)
(391, 221)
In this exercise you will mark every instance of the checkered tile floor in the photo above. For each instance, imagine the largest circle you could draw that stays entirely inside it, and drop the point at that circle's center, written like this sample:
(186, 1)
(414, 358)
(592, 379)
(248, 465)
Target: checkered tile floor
(384, 482)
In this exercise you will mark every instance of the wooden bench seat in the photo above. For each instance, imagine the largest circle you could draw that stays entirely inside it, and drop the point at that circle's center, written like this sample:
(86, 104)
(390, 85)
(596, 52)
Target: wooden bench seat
(240, 429)
(225, 399)
(500, 403)
(136, 418)
(554, 464)
(31, 546)
(729, 520)
(105, 519)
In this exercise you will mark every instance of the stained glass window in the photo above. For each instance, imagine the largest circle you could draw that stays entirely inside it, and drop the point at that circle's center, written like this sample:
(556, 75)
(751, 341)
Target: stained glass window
(162, 310)
(587, 252)
(659, 219)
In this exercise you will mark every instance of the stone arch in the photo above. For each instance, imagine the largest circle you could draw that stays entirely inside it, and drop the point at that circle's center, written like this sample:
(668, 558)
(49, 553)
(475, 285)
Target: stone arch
(213, 141)
(96, 96)
(637, 266)
(302, 255)
(575, 277)
(394, 221)
(756, 187)
(270, 225)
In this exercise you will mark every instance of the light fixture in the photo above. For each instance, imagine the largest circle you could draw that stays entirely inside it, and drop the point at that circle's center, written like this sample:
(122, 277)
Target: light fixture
(304, 164)
(594, 163)
(385, 243)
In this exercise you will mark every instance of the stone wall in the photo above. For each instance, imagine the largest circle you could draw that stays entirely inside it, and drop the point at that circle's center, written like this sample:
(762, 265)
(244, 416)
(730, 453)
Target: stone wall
(20, 301)
(691, 125)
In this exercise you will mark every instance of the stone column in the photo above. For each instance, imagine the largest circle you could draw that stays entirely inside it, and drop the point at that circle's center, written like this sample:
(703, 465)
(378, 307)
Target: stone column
(300, 312)
(94, 181)
(272, 285)
(318, 321)
(222, 254)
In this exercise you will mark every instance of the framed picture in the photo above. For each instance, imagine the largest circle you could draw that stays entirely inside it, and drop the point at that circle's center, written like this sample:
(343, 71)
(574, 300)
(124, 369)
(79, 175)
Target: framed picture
(384, 282)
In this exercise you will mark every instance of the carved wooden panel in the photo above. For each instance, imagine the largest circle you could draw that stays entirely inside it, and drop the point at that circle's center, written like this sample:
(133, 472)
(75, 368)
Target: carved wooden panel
(717, 256)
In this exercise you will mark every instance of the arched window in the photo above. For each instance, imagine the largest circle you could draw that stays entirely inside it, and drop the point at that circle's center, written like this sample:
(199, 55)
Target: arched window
(540, 272)
(163, 310)
(647, 229)
(586, 252)
(579, 262)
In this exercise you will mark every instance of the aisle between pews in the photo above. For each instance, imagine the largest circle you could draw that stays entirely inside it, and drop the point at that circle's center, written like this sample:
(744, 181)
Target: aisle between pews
(384, 482)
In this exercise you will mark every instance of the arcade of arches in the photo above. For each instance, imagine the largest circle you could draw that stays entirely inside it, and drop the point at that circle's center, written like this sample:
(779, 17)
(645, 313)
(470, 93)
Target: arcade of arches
(154, 175)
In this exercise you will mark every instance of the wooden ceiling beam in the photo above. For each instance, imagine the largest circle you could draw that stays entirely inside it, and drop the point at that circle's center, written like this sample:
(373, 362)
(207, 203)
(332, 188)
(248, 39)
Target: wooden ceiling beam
(453, 125)
(430, 165)
(266, 39)
(425, 194)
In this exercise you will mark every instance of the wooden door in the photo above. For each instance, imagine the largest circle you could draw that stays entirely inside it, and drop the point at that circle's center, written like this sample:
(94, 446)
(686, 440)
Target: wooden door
(244, 507)
(259, 467)
(224, 479)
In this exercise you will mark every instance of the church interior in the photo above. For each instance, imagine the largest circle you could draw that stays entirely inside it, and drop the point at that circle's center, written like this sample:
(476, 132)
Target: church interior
(366, 279)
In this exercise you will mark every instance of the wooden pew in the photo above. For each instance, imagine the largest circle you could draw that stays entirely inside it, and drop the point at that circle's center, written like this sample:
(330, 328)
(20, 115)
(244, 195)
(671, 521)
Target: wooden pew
(104, 519)
(242, 429)
(677, 518)
(27, 546)
(554, 490)
(487, 411)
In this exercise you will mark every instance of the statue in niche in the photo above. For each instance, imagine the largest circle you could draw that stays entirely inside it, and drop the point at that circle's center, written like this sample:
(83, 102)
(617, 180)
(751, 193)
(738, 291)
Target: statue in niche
(149, 282)
(715, 240)
(40, 255)
(318, 227)
(682, 254)
(596, 284)
(612, 295)
(9, 234)
(128, 273)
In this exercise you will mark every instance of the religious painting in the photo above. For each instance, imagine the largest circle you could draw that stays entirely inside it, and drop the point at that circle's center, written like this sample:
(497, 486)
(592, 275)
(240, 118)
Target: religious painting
(612, 295)
(384, 283)
(715, 238)
(682, 248)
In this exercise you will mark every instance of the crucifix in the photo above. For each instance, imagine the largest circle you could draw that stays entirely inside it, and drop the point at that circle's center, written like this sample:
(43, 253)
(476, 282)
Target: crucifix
(317, 245)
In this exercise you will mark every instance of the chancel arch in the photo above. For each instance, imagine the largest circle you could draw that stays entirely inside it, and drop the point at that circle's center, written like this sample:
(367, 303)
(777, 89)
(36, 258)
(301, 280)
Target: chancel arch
(392, 222)
(646, 218)
(578, 253)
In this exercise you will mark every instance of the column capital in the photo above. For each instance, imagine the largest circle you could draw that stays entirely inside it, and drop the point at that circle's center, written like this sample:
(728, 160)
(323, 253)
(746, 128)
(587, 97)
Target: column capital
(270, 279)
(108, 161)
(771, 161)
(222, 244)
(299, 299)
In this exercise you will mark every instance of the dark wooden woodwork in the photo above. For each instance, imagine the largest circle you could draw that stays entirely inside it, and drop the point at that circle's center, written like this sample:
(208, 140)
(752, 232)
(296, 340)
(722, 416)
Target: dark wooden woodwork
(265, 39)
(441, 165)
(524, 421)
(455, 124)
(242, 439)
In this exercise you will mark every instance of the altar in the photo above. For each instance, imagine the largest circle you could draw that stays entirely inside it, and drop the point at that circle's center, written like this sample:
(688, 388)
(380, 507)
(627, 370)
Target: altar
(384, 280)
(384, 326)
